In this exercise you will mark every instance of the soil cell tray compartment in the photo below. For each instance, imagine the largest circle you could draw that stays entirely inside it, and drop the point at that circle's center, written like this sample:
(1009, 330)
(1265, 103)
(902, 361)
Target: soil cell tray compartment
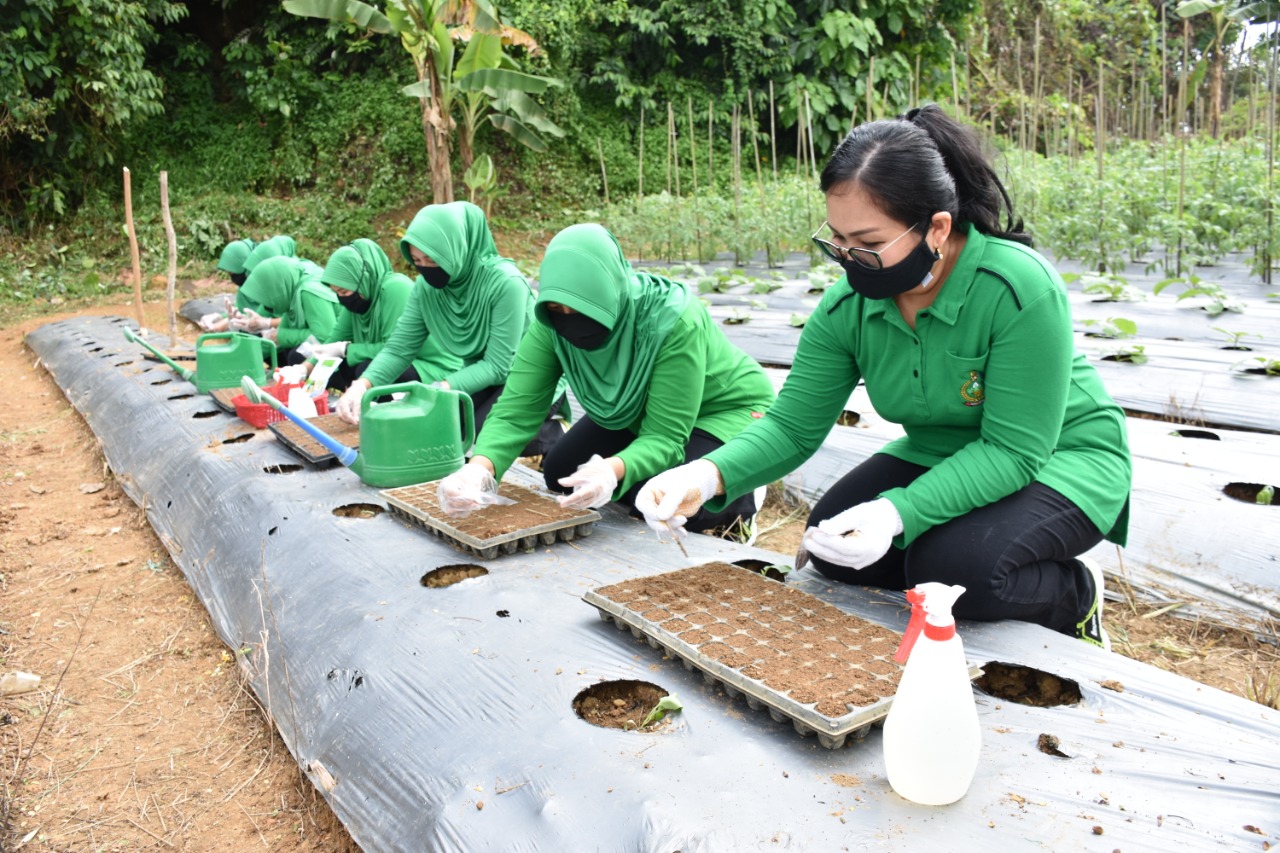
(534, 518)
(832, 674)
(291, 436)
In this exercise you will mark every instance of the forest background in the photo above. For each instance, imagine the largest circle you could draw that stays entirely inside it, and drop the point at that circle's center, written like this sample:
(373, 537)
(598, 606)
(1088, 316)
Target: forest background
(1136, 132)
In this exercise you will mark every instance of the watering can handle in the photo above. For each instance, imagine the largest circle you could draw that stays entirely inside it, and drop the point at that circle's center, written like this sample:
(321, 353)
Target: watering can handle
(274, 365)
(217, 336)
(468, 409)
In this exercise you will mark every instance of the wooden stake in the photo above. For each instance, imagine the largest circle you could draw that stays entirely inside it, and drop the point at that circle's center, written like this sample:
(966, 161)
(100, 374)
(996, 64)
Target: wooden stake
(773, 135)
(604, 177)
(173, 257)
(133, 249)
(640, 188)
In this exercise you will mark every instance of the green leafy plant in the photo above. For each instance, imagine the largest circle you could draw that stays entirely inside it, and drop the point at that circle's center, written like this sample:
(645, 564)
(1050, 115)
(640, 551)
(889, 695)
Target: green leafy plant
(739, 316)
(798, 320)
(1267, 366)
(1219, 301)
(1233, 338)
(1131, 354)
(1266, 495)
(666, 705)
(1112, 287)
(1112, 327)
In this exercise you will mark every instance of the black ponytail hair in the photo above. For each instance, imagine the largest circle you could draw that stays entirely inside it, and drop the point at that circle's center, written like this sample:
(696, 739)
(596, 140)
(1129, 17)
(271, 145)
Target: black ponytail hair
(923, 162)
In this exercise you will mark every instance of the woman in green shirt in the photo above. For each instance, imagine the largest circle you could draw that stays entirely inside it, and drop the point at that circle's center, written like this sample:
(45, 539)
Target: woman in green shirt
(372, 298)
(231, 261)
(299, 305)
(659, 381)
(473, 301)
(1015, 459)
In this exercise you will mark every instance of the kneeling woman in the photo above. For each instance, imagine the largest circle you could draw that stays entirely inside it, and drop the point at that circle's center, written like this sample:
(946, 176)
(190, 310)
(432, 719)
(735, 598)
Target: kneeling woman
(659, 381)
(300, 306)
(373, 297)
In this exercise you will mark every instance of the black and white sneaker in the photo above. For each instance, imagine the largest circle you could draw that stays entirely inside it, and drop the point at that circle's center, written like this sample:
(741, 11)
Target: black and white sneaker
(1090, 627)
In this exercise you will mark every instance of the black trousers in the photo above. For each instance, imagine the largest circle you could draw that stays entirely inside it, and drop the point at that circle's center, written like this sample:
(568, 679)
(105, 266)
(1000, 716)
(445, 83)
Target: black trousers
(587, 438)
(348, 373)
(1015, 557)
(549, 433)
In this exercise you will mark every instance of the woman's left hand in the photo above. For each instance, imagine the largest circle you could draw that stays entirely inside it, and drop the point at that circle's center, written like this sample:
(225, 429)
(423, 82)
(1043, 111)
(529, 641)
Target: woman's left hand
(593, 484)
(269, 333)
(856, 537)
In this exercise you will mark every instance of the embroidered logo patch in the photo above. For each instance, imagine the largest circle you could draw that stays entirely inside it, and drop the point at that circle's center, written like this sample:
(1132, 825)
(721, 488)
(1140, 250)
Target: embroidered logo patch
(971, 390)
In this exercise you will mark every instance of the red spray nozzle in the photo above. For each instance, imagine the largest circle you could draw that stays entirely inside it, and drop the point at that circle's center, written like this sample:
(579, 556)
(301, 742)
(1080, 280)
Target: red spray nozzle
(916, 599)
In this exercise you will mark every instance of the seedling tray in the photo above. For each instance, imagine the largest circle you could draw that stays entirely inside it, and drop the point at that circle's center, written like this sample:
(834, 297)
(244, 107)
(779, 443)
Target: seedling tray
(536, 518)
(224, 397)
(291, 436)
(829, 673)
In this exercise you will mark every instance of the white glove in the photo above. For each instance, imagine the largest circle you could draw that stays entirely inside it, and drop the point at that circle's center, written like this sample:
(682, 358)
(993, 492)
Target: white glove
(336, 350)
(269, 333)
(593, 484)
(255, 322)
(469, 488)
(668, 499)
(291, 374)
(349, 405)
(238, 322)
(856, 537)
(213, 323)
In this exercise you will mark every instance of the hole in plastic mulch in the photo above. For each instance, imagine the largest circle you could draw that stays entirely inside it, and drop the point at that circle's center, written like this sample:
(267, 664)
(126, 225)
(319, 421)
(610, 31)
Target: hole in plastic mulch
(1197, 433)
(1249, 492)
(1026, 685)
(766, 569)
(162, 382)
(96, 349)
(207, 414)
(182, 396)
(848, 418)
(122, 364)
(286, 468)
(618, 704)
(238, 439)
(449, 575)
(359, 510)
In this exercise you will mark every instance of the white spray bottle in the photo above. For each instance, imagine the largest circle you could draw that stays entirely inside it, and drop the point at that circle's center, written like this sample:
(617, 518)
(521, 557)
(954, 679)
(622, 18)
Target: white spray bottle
(931, 736)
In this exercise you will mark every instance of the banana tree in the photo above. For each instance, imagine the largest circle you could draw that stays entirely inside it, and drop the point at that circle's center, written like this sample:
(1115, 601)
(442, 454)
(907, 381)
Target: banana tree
(1224, 15)
(427, 30)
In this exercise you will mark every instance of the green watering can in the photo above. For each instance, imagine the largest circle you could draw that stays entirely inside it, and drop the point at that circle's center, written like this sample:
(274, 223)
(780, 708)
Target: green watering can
(423, 436)
(229, 356)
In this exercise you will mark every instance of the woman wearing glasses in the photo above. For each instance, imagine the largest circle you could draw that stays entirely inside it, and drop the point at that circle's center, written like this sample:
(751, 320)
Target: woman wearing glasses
(1015, 459)
(372, 297)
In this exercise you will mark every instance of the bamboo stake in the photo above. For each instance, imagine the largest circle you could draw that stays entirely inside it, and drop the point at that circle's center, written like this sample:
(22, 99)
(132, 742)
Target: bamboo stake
(755, 149)
(711, 150)
(955, 88)
(1182, 144)
(773, 136)
(871, 84)
(173, 256)
(604, 177)
(133, 249)
(808, 120)
(693, 164)
(1267, 257)
(1099, 143)
(640, 188)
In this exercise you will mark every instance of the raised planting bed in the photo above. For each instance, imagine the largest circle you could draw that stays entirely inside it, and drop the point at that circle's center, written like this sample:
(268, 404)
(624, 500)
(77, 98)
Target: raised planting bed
(830, 673)
(534, 518)
(291, 436)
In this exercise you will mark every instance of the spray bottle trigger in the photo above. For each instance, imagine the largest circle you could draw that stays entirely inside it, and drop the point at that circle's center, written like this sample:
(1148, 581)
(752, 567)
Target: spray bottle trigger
(914, 626)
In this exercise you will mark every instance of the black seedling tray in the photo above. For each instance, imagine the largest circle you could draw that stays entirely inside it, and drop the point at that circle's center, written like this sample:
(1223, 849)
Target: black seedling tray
(291, 436)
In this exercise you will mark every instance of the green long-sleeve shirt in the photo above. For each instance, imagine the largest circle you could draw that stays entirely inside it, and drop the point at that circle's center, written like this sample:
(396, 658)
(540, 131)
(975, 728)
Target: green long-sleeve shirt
(699, 380)
(987, 386)
(321, 315)
(509, 313)
(369, 336)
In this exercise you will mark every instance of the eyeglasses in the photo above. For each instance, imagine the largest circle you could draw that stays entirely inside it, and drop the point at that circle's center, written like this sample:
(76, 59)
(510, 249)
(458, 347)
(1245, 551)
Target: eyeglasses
(869, 258)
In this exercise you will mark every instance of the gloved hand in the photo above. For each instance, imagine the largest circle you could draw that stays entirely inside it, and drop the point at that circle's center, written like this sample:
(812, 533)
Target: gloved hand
(291, 374)
(469, 488)
(856, 537)
(593, 484)
(668, 499)
(238, 322)
(269, 333)
(255, 322)
(213, 323)
(337, 349)
(349, 405)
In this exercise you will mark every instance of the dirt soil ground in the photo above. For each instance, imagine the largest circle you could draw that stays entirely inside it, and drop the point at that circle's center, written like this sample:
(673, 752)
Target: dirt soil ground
(141, 736)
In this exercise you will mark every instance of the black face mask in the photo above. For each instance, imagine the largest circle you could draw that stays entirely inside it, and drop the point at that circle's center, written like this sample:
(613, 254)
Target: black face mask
(883, 283)
(355, 303)
(579, 330)
(434, 276)
(238, 278)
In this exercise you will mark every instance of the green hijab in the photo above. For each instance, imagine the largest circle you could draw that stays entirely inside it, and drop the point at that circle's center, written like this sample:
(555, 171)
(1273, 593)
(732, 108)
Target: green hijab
(278, 283)
(276, 247)
(362, 266)
(457, 237)
(234, 254)
(584, 269)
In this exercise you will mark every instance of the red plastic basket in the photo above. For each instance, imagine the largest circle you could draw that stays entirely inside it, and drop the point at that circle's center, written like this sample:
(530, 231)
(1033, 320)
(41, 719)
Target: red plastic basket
(259, 415)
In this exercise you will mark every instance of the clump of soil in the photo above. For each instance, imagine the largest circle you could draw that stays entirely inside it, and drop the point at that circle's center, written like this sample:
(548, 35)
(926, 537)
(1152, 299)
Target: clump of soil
(449, 575)
(1027, 685)
(787, 640)
(292, 436)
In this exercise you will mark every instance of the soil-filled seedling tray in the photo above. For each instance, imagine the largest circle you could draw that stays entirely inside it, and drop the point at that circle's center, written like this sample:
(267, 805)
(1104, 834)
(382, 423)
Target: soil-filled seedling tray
(535, 518)
(832, 674)
(291, 436)
(174, 354)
